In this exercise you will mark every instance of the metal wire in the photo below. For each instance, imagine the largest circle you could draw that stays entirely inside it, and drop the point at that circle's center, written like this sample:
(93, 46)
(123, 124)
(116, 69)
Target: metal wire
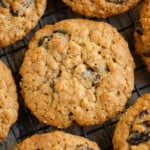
(27, 124)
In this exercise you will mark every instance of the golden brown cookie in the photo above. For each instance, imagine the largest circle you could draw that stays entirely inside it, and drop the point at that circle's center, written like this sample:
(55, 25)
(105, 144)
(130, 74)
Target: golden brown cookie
(101, 8)
(133, 130)
(56, 140)
(17, 18)
(8, 100)
(77, 70)
(142, 33)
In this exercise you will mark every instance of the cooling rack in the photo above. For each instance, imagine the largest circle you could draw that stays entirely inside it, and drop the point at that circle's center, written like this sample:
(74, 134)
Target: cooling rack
(13, 55)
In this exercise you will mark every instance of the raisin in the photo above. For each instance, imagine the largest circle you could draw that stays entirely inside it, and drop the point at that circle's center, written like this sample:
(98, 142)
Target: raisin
(14, 12)
(61, 32)
(139, 28)
(70, 114)
(147, 52)
(143, 113)
(82, 147)
(92, 76)
(136, 137)
(146, 124)
(116, 1)
(44, 39)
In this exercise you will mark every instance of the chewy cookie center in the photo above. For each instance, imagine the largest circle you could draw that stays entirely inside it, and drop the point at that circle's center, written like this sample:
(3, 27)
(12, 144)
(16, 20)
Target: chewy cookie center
(72, 60)
(140, 131)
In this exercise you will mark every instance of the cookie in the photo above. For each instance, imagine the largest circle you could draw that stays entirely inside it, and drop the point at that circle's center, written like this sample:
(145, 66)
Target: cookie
(101, 8)
(77, 70)
(56, 140)
(17, 18)
(142, 33)
(133, 130)
(8, 100)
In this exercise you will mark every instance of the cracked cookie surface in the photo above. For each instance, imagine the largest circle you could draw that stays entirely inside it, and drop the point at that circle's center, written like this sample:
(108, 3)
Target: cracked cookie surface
(56, 140)
(8, 100)
(101, 8)
(142, 33)
(77, 70)
(17, 18)
(133, 130)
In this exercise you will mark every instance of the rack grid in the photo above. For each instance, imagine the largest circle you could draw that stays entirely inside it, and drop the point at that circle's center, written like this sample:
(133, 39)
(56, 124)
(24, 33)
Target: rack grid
(13, 55)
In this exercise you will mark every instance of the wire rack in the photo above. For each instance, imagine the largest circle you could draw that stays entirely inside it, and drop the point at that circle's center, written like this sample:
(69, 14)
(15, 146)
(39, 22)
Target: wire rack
(13, 55)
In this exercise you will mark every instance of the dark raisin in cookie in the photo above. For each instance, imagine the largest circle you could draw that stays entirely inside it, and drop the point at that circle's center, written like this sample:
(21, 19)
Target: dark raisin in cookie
(133, 130)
